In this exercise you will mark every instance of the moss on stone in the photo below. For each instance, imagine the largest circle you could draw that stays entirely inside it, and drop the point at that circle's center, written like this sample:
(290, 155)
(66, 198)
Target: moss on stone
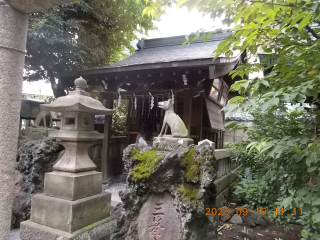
(148, 160)
(87, 228)
(189, 193)
(192, 165)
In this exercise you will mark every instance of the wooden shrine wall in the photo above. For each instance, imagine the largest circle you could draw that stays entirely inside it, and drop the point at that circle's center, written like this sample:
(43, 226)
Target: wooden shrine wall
(191, 110)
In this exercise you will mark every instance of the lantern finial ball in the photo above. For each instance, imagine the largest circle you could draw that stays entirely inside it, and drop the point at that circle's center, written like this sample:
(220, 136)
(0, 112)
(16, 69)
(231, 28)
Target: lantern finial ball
(80, 83)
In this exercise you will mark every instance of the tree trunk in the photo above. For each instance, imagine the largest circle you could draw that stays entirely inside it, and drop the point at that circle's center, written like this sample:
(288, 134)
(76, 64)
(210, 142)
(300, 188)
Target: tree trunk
(56, 88)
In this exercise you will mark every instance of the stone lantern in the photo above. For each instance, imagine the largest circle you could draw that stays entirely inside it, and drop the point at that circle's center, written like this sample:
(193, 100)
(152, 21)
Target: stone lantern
(72, 204)
(76, 133)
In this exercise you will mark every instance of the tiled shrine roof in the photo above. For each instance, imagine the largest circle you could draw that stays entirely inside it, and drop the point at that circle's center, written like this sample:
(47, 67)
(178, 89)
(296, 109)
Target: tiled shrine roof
(162, 50)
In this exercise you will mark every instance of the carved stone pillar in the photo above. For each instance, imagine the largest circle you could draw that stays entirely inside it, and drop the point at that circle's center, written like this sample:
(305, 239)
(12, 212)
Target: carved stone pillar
(13, 36)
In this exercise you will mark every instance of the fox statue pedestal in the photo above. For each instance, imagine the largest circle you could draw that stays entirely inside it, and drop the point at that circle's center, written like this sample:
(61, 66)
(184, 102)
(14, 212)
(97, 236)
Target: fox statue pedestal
(169, 143)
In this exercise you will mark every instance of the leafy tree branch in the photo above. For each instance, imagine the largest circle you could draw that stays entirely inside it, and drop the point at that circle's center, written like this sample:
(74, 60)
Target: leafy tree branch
(314, 34)
(277, 4)
(81, 35)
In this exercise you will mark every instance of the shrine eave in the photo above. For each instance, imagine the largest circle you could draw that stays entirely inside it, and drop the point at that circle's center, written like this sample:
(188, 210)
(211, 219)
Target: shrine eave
(221, 67)
(141, 67)
(162, 59)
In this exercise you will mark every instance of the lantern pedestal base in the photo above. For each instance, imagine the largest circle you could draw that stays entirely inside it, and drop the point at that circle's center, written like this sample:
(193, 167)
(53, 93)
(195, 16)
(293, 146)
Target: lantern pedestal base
(98, 231)
(70, 216)
(73, 207)
(72, 186)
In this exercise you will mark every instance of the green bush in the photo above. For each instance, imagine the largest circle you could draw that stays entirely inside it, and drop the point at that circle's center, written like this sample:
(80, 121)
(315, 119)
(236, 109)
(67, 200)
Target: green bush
(283, 156)
(119, 118)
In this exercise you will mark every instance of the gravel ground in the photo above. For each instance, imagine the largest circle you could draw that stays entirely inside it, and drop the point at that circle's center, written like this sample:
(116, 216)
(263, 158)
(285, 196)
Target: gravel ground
(114, 189)
(15, 234)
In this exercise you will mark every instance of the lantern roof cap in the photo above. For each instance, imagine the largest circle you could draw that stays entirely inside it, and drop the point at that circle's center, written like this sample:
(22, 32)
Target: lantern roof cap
(77, 101)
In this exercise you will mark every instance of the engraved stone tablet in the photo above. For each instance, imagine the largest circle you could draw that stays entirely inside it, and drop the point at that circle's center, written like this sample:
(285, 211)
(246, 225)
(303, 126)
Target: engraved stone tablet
(158, 219)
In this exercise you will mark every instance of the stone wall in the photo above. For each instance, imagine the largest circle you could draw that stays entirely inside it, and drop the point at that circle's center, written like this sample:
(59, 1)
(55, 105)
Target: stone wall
(237, 135)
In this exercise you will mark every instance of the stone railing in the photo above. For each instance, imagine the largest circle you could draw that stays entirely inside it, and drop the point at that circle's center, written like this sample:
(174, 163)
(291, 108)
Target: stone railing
(227, 174)
(226, 165)
(115, 165)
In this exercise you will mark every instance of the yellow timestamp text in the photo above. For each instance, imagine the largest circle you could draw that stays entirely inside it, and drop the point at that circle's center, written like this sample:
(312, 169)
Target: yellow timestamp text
(258, 211)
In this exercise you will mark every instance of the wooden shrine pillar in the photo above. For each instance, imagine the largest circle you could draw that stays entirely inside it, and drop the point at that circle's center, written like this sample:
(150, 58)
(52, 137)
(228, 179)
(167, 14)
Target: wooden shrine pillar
(199, 116)
(105, 155)
(129, 117)
(187, 111)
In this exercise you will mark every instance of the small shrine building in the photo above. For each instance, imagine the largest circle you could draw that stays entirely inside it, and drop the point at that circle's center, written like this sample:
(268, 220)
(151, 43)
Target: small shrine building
(163, 68)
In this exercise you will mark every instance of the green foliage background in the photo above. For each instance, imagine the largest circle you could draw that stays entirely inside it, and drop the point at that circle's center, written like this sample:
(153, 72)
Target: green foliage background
(81, 35)
(120, 114)
(119, 118)
(275, 153)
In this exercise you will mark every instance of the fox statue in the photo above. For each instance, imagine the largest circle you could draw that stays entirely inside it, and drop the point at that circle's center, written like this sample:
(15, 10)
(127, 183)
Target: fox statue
(172, 120)
(44, 119)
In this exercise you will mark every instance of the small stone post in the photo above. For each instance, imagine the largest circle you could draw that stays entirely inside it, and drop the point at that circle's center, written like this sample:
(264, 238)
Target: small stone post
(13, 36)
